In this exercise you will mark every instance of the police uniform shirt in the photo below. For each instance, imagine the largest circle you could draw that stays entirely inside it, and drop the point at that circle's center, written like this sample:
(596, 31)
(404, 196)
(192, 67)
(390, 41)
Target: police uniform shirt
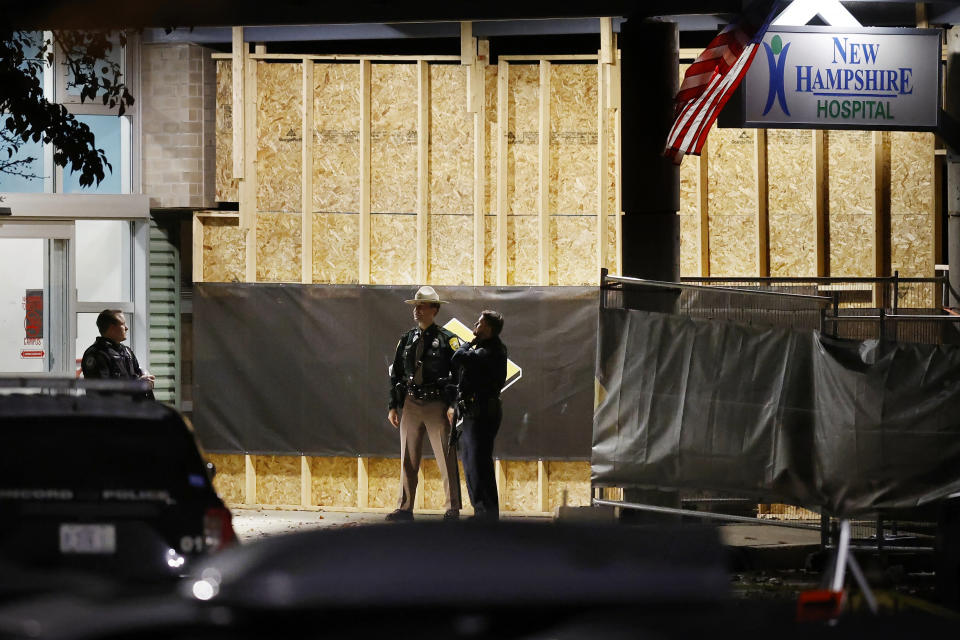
(422, 361)
(108, 359)
(484, 368)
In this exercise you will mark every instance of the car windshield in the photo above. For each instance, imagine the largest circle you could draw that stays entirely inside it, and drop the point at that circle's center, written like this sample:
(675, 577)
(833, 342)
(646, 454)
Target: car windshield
(99, 453)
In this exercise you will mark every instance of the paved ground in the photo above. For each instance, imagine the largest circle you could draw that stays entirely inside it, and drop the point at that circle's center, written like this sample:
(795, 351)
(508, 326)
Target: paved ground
(252, 524)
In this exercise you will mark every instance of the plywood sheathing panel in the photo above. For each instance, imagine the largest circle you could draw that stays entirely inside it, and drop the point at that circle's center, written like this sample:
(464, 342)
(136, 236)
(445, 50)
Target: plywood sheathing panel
(522, 256)
(573, 143)
(732, 203)
(450, 249)
(689, 211)
(393, 139)
(223, 250)
(336, 142)
(574, 477)
(522, 139)
(451, 143)
(278, 479)
(464, 494)
(229, 478)
(785, 512)
(490, 250)
(333, 482)
(393, 254)
(279, 137)
(520, 486)
(336, 240)
(278, 247)
(574, 249)
(850, 198)
(689, 217)
(911, 220)
(792, 203)
(226, 185)
(384, 482)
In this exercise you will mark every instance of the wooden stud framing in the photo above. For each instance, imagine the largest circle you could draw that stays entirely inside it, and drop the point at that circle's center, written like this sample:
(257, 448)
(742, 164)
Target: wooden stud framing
(306, 180)
(601, 168)
(581, 57)
(468, 44)
(503, 70)
(703, 208)
(363, 484)
(923, 22)
(543, 486)
(614, 75)
(306, 482)
(249, 480)
(606, 42)
(346, 57)
(364, 172)
(937, 207)
(821, 202)
(763, 218)
(618, 223)
(423, 167)
(248, 186)
(197, 248)
(238, 56)
(478, 73)
(881, 203)
(543, 191)
(483, 51)
(476, 85)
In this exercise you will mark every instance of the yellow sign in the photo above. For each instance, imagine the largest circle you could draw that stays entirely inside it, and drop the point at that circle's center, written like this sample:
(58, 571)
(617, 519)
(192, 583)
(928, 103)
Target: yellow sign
(465, 333)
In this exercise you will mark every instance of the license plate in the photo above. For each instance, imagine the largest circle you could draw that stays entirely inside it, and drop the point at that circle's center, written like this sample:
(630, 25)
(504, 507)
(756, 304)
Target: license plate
(88, 538)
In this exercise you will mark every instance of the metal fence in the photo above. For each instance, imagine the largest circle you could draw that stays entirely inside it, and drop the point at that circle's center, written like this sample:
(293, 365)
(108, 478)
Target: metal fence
(895, 308)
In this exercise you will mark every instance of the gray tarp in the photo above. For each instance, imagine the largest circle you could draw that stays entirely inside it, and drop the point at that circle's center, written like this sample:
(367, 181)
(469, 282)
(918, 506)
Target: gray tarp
(302, 369)
(782, 415)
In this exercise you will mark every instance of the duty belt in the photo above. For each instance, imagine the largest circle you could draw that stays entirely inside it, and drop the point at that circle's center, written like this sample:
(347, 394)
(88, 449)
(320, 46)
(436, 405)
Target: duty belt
(425, 392)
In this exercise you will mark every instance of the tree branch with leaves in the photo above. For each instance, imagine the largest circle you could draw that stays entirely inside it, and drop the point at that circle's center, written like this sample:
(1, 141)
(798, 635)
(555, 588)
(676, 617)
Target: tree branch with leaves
(29, 115)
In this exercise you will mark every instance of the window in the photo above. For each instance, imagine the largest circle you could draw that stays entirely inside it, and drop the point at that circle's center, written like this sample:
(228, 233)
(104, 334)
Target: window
(112, 133)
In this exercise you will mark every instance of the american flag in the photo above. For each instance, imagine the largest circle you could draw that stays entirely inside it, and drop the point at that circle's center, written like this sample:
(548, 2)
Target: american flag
(713, 77)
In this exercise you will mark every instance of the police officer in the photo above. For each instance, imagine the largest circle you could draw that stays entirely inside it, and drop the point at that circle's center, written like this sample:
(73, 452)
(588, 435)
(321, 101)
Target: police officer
(422, 396)
(107, 358)
(483, 372)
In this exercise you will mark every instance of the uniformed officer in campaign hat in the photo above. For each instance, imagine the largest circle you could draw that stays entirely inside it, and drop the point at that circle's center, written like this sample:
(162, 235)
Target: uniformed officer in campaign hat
(422, 399)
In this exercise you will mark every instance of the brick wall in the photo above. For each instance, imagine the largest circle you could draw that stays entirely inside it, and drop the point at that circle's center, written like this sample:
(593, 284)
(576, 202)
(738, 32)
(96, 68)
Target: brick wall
(178, 93)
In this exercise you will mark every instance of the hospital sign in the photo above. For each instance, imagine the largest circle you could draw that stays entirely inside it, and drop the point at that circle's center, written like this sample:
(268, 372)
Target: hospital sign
(828, 78)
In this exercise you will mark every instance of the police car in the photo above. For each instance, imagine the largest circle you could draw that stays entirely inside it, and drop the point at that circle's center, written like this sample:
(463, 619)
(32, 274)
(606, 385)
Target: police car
(95, 477)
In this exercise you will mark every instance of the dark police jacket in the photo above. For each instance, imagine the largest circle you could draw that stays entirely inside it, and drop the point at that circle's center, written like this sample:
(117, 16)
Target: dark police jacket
(112, 361)
(438, 347)
(483, 372)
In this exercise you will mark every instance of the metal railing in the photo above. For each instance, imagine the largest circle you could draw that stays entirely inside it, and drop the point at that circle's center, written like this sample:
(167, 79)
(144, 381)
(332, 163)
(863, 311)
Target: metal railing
(894, 308)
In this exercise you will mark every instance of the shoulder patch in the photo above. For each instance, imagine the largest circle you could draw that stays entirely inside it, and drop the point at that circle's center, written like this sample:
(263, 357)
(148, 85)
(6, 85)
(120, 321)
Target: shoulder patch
(454, 343)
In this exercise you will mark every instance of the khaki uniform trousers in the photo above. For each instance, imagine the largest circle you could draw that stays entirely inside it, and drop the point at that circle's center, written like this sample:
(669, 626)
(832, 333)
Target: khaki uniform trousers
(430, 417)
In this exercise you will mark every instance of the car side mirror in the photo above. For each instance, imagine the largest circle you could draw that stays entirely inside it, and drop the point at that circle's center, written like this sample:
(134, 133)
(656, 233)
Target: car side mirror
(212, 468)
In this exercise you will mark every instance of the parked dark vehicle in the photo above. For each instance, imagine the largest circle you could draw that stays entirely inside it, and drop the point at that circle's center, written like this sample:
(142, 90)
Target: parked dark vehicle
(94, 478)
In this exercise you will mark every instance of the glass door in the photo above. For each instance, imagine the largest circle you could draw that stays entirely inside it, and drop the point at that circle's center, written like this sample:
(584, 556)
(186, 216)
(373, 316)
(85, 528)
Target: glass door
(36, 298)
